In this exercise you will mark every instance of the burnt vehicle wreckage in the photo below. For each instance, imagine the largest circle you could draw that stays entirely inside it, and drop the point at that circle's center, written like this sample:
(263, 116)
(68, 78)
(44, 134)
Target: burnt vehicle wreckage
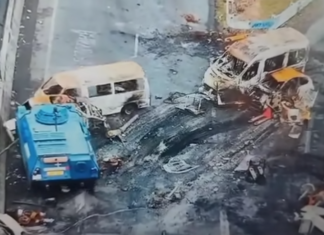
(218, 141)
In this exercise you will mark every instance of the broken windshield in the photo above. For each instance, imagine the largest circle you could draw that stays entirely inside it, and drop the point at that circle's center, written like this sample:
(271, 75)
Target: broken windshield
(230, 65)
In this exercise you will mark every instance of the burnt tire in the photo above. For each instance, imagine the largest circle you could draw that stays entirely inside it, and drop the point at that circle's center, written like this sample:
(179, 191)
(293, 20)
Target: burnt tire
(129, 109)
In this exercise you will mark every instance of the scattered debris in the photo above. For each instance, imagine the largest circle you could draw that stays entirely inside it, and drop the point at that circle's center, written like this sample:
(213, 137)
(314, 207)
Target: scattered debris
(65, 189)
(30, 218)
(265, 116)
(245, 163)
(112, 164)
(256, 171)
(8, 223)
(295, 131)
(306, 190)
(178, 166)
(121, 130)
(194, 107)
(311, 217)
(173, 71)
(159, 199)
(191, 18)
(312, 195)
(254, 167)
(50, 201)
(173, 96)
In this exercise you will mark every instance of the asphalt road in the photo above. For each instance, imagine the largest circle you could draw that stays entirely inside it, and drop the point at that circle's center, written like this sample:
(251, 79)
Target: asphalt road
(74, 33)
(60, 35)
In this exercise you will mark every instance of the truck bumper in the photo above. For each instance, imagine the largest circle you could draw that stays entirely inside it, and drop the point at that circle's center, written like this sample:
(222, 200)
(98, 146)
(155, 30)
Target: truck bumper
(73, 184)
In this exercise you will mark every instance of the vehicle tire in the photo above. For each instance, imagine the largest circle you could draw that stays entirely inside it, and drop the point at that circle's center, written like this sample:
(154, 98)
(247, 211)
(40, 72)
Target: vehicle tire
(129, 109)
(90, 186)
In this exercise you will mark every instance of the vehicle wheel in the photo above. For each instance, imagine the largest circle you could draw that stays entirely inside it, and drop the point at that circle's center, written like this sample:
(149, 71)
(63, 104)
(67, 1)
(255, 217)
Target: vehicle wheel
(90, 186)
(129, 109)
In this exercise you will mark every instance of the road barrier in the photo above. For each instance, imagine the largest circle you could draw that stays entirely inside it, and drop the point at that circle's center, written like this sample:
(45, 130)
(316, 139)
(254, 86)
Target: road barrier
(7, 69)
(275, 22)
(8, 54)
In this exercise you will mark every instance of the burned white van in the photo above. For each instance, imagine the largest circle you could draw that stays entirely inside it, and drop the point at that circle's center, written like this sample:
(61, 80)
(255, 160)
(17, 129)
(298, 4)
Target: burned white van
(113, 88)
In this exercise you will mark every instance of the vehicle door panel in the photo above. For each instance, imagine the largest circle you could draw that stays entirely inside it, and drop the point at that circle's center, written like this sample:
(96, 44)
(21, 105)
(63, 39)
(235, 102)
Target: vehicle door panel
(101, 96)
(131, 91)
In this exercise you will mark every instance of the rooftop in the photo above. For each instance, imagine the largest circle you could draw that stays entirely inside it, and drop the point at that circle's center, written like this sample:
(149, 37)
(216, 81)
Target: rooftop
(65, 137)
(283, 39)
(100, 74)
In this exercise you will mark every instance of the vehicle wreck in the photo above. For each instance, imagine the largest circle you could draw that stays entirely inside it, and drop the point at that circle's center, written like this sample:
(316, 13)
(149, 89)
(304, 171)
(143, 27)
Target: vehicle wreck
(264, 69)
(113, 88)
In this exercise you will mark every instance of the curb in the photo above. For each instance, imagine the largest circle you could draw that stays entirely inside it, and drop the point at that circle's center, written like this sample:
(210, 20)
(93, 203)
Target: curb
(211, 15)
(7, 69)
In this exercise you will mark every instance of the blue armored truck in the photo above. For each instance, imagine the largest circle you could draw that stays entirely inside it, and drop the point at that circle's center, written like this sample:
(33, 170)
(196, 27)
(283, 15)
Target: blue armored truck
(55, 146)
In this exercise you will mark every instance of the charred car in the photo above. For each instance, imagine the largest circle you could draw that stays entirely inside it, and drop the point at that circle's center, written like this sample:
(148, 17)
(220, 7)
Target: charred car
(264, 65)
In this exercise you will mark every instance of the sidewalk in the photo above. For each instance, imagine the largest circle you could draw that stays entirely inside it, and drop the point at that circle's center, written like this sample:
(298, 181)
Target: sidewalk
(11, 24)
(248, 10)
(3, 8)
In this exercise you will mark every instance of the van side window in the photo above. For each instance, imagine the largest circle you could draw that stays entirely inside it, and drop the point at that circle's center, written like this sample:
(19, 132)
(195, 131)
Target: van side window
(251, 72)
(99, 90)
(126, 86)
(274, 63)
(71, 92)
(295, 57)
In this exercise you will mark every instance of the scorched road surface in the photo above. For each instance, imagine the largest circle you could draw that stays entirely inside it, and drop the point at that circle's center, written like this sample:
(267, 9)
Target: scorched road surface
(208, 199)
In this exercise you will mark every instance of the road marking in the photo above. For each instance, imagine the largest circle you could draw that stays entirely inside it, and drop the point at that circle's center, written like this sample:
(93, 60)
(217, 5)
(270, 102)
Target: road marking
(308, 137)
(84, 48)
(223, 222)
(136, 46)
(50, 40)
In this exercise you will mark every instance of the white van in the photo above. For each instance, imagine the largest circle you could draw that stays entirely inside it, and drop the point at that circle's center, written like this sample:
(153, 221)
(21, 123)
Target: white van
(113, 88)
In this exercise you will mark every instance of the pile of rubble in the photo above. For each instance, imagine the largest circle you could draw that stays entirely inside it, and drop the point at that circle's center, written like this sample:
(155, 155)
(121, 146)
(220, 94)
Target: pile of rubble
(311, 215)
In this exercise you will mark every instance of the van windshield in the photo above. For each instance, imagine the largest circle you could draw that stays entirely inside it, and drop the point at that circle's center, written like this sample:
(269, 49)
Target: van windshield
(230, 65)
(53, 90)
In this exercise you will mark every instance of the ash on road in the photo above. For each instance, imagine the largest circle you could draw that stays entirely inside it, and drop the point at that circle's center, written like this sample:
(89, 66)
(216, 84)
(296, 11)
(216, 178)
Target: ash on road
(61, 35)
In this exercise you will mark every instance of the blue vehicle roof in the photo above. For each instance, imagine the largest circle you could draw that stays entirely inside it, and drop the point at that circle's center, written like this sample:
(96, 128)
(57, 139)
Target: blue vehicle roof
(55, 129)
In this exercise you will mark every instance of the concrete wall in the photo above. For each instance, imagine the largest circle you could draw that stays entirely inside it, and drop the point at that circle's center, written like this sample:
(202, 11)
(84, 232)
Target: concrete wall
(272, 23)
(3, 10)
(7, 68)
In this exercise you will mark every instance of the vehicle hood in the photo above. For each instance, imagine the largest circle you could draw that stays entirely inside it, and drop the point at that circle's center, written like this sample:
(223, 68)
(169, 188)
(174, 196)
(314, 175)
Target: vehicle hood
(216, 79)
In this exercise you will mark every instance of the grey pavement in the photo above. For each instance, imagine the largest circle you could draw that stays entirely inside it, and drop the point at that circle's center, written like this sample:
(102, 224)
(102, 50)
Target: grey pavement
(65, 34)
(3, 7)
(76, 33)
